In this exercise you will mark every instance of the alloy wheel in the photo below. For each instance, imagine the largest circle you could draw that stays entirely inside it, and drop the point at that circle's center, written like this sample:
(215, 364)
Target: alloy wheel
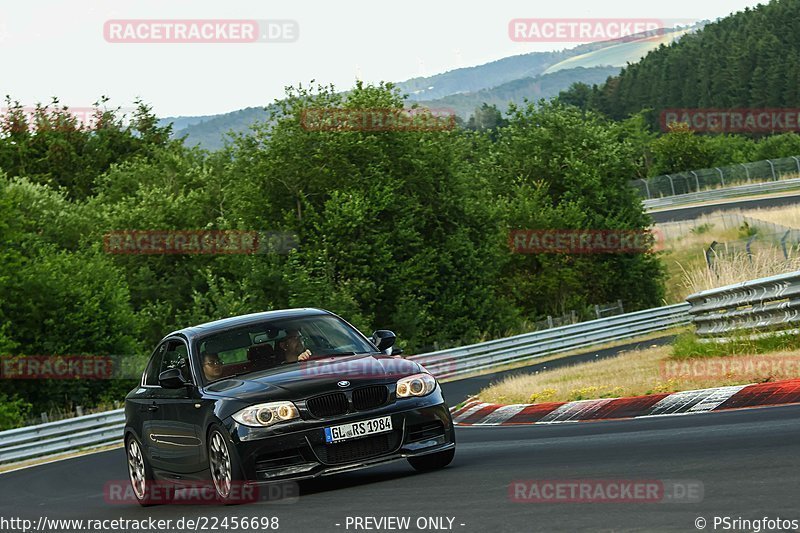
(220, 465)
(136, 468)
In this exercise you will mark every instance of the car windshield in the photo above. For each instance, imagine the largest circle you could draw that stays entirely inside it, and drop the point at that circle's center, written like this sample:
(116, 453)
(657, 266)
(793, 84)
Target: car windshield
(273, 343)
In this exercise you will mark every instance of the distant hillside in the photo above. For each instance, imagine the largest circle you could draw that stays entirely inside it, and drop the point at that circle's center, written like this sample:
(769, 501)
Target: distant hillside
(623, 53)
(534, 88)
(533, 76)
(179, 123)
(472, 79)
(749, 59)
(209, 131)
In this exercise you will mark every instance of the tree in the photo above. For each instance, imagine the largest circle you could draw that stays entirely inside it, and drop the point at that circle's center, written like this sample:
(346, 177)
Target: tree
(680, 149)
(555, 167)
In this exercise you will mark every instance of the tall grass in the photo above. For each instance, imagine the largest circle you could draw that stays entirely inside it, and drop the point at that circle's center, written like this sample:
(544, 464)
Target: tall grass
(735, 268)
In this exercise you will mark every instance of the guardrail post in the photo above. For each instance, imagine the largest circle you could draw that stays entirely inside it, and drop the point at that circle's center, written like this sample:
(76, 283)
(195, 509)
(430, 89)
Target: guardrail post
(746, 172)
(79, 410)
(621, 309)
(671, 184)
(550, 321)
(44, 418)
(721, 175)
(783, 244)
(747, 247)
(708, 254)
(647, 187)
(574, 316)
(597, 311)
(773, 170)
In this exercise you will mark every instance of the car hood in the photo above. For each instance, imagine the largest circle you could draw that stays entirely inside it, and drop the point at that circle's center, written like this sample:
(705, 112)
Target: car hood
(309, 378)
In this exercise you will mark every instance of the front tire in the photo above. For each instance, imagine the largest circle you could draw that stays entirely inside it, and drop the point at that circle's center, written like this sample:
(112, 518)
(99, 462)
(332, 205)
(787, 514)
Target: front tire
(140, 473)
(432, 461)
(226, 473)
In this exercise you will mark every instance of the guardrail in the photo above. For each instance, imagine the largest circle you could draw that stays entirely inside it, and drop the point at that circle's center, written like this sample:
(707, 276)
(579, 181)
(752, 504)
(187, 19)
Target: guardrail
(760, 307)
(476, 357)
(106, 428)
(61, 436)
(721, 194)
(692, 181)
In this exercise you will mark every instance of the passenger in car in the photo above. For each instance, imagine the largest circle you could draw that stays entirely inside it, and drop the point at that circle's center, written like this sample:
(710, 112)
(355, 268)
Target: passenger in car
(212, 366)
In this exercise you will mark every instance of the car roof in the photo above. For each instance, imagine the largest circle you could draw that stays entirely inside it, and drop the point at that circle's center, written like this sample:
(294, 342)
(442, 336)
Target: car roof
(201, 330)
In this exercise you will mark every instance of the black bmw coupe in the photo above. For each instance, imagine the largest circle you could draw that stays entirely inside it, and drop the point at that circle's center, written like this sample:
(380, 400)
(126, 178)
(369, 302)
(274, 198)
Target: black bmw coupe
(280, 395)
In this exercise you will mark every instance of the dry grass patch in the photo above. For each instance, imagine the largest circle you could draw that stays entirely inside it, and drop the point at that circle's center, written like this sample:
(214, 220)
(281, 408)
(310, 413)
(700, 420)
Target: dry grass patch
(634, 373)
(788, 215)
(736, 268)
(684, 255)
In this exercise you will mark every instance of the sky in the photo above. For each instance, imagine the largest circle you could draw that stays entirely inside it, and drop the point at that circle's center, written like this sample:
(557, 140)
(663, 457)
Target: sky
(64, 48)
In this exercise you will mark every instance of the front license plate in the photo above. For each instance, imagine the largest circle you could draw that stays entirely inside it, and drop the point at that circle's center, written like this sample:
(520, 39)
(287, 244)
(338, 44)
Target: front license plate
(355, 430)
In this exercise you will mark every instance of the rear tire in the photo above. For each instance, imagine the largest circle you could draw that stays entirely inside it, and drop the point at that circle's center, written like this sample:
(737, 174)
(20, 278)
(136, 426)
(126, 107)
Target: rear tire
(432, 461)
(139, 473)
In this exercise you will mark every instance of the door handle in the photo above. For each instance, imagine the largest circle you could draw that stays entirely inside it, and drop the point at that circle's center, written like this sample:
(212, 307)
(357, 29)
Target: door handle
(153, 407)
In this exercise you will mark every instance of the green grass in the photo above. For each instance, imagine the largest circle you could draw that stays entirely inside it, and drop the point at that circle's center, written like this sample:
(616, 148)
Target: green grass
(688, 346)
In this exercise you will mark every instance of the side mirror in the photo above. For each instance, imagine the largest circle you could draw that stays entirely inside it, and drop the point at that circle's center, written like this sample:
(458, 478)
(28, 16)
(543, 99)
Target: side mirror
(172, 379)
(383, 339)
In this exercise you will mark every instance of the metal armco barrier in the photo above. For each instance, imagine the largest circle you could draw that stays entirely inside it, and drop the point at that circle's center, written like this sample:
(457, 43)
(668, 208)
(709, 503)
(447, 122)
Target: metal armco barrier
(721, 194)
(476, 357)
(705, 179)
(106, 428)
(759, 307)
(61, 436)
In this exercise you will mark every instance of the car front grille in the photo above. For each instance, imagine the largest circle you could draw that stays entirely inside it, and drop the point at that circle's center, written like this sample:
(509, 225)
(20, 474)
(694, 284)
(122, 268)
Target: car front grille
(336, 403)
(357, 449)
(370, 397)
(328, 405)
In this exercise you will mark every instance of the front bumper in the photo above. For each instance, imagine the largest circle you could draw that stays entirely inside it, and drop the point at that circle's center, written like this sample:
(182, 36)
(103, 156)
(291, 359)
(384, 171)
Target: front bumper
(420, 426)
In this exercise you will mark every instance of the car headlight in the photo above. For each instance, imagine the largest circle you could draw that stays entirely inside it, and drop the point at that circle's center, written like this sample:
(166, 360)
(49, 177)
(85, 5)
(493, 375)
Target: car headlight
(266, 414)
(415, 385)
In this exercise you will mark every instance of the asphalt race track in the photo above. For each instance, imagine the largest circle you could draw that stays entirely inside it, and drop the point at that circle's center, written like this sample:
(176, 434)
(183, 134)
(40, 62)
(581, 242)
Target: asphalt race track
(690, 213)
(746, 460)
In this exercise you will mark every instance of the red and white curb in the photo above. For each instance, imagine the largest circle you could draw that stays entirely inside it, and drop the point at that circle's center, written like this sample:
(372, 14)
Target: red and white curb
(476, 413)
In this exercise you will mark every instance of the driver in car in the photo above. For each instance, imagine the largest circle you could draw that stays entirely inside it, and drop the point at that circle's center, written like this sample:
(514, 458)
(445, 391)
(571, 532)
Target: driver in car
(293, 348)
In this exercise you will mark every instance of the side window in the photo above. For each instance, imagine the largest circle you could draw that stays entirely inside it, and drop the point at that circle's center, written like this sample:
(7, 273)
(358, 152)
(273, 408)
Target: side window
(154, 366)
(176, 356)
